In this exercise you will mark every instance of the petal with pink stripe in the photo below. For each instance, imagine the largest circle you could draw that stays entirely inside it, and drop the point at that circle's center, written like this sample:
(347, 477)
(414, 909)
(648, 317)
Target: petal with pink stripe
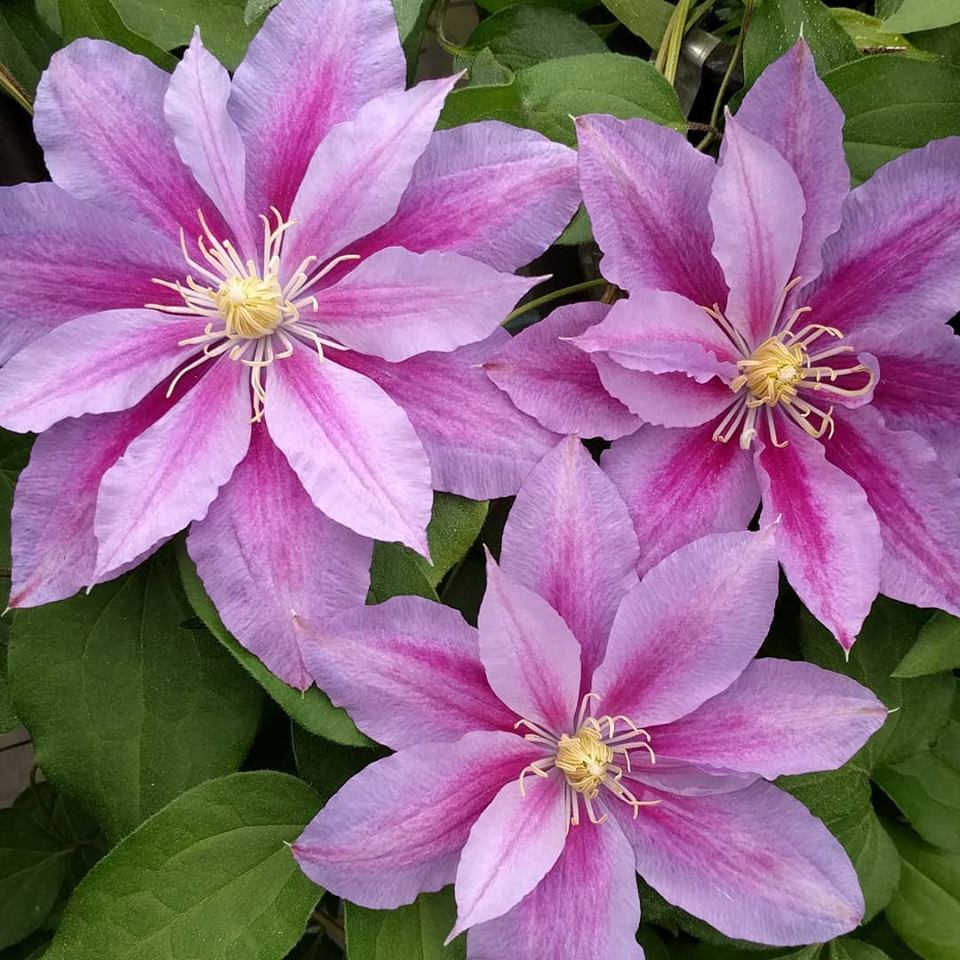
(405, 670)
(391, 832)
(263, 580)
(569, 539)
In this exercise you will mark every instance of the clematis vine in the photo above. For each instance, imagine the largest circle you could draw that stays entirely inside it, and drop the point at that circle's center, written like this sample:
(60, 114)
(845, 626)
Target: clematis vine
(259, 305)
(785, 340)
(590, 728)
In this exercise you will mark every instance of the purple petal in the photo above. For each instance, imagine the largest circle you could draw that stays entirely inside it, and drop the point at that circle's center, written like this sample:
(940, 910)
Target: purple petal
(261, 578)
(828, 538)
(479, 444)
(892, 263)
(392, 833)
(512, 846)
(779, 717)
(207, 139)
(679, 485)
(917, 389)
(917, 502)
(754, 863)
(94, 364)
(685, 779)
(531, 658)
(668, 399)
(170, 474)
(690, 628)
(396, 304)
(646, 189)
(52, 561)
(99, 117)
(555, 382)
(405, 670)
(662, 332)
(596, 872)
(70, 259)
(312, 64)
(809, 136)
(352, 447)
(569, 539)
(488, 191)
(757, 208)
(360, 170)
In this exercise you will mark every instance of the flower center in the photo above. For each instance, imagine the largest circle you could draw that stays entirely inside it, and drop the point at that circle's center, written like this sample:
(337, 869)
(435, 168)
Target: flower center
(775, 375)
(590, 760)
(250, 314)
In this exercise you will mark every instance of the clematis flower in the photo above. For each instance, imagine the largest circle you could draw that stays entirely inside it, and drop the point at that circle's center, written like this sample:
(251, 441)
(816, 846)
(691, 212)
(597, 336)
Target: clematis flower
(259, 306)
(785, 340)
(592, 727)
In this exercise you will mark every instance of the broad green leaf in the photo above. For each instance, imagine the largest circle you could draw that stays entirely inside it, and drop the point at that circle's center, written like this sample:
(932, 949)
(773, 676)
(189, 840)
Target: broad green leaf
(870, 35)
(415, 932)
(520, 36)
(926, 787)
(100, 19)
(648, 19)
(925, 910)
(776, 26)
(327, 766)
(33, 948)
(255, 9)
(920, 707)
(126, 707)
(880, 934)
(914, 15)
(937, 648)
(485, 70)
(454, 526)
(170, 23)
(845, 948)
(209, 877)
(841, 799)
(33, 864)
(26, 42)
(545, 96)
(893, 104)
(311, 708)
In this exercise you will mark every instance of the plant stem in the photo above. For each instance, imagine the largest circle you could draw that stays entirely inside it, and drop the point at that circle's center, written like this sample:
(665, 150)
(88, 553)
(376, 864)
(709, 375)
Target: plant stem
(9, 85)
(555, 295)
(668, 56)
(728, 73)
(452, 48)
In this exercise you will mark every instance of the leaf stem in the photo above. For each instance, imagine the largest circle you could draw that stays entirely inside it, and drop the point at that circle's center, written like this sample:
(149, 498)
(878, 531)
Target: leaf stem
(455, 50)
(668, 56)
(728, 73)
(9, 85)
(555, 295)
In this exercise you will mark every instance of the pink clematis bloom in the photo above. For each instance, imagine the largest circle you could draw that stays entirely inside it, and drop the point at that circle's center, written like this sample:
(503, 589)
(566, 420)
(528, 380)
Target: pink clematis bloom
(785, 340)
(592, 727)
(259, 305)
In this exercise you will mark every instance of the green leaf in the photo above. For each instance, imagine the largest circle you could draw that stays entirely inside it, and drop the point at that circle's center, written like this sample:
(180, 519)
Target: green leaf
(415, 932)
(870, 35)
(925, 910)
(648, 19)
(893, 104)
(170, 23)
(209, 876)
(327, 766)
(573, 6)
(776, 26)
(100, 19)
(880, 934)
(545, 96)
(454, 526)
(33, 864)
(845, 948)
(841, 799)
(926, 787)
(520, 36)
(937, 648)
(311, 708)
(26, 42)
(914, 15)
(920, 707)
(126, 708)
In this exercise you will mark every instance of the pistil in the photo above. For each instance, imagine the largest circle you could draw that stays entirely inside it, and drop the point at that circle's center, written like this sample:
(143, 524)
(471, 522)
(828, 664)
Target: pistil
(251, 316)
(588, 760)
